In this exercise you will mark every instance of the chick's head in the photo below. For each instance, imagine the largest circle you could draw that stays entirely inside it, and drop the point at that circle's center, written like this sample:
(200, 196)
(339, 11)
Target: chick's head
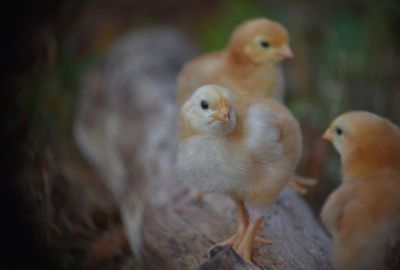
(260, 41)
(210, 110)
(365, 140)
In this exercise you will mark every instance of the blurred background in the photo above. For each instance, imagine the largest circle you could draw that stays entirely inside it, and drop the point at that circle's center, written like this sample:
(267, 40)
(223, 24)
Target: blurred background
(346, 57)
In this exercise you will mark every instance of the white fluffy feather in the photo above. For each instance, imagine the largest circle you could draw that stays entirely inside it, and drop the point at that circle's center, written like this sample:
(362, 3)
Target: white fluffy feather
(262, 138)
(204, 163)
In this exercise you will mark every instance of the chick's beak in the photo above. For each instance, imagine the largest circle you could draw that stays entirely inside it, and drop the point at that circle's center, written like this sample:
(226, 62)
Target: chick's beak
(327, 135)
(223, 115)
(287, 52)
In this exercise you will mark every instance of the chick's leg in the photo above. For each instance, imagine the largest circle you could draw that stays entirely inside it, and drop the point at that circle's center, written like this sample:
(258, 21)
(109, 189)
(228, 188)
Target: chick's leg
(199, 196)
(300, 184)
(245, 248)
(242, 222)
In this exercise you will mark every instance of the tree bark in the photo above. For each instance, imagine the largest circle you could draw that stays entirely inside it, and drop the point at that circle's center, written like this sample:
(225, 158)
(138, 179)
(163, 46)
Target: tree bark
(126, 127)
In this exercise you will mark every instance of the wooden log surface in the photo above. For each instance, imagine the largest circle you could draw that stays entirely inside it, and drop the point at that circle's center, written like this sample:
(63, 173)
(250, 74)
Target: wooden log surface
(126, 127)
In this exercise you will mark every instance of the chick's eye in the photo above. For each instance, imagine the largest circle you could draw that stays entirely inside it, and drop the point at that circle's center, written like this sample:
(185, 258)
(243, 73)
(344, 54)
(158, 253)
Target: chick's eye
(339, 131)
(204, 105)
(265, 44)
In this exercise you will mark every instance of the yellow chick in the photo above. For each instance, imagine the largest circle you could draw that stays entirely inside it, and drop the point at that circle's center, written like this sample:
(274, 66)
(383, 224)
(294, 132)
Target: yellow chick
(363, 213)
(248, 65)
(247, 149)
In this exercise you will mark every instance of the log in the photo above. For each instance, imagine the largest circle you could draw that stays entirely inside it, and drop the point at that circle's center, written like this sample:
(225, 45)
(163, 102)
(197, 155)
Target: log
(126, 127)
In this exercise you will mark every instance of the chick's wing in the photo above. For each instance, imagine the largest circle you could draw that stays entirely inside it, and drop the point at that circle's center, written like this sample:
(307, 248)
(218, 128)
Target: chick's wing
(263, 135)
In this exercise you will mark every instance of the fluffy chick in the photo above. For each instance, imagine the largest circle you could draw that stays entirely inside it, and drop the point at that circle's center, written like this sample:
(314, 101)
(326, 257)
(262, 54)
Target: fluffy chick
(247, 66)
(363, 213)
(247, 149)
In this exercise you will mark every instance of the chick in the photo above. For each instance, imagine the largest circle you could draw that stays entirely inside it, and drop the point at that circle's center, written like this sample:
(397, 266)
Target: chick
(363, 213)
(247, 149)
(247, 66)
